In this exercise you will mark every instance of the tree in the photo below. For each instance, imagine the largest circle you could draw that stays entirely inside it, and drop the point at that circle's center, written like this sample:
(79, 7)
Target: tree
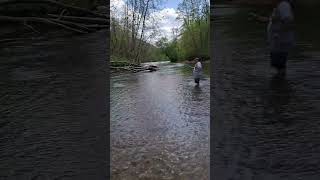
(130, 38)
(195, 29)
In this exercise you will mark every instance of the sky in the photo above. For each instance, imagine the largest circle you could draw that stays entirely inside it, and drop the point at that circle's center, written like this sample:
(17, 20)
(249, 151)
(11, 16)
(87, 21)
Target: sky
(166, 17)
(170, 14)
(171, 3)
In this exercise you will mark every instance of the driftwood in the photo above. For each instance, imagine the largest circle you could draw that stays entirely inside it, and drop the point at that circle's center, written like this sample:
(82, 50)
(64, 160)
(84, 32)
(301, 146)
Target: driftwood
(55, 4)
(131, 69)
(80, 19)
(149, 68)
(38, 20)
(71, 18)
(73, 25)
(30, 27)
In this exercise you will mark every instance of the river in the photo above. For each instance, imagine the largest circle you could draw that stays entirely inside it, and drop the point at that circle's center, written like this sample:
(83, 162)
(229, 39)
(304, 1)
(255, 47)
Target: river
(53, 108)
(264, 127)
(160, 124)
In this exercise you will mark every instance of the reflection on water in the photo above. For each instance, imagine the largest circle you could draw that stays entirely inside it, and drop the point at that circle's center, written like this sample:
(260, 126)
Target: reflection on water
(268, 126)
(159, 125)
(280, 91)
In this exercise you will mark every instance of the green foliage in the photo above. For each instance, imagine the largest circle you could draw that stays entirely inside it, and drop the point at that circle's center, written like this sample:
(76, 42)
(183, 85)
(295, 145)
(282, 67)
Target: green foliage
(193, 40)
(121, 46)
(172, 51)
(157, 55)
(115, 58)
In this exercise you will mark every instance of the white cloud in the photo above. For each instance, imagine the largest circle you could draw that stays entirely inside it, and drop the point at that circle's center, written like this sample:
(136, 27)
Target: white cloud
(167, 20)
(117, 7)
(163, 20)
(117, 4)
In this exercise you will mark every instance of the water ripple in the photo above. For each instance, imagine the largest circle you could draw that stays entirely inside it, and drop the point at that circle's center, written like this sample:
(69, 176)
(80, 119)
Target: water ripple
(159, 125)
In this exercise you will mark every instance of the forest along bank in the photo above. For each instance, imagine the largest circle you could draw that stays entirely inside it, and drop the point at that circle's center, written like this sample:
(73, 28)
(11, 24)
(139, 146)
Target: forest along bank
(135, 40)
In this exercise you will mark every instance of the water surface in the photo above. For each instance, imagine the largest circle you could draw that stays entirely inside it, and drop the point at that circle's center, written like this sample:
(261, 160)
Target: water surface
(53, 108)
(264, 127)
(160, 125)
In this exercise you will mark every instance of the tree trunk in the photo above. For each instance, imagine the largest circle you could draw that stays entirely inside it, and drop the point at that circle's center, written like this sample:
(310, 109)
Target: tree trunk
(142, 31)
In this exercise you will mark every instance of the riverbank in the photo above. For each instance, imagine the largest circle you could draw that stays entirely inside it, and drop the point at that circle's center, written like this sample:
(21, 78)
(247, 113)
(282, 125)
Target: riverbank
(124, 66)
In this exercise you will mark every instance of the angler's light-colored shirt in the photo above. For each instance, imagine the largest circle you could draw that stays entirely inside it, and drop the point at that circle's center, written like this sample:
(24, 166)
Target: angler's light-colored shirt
(281, 40)
(197, 70)
(199, 65)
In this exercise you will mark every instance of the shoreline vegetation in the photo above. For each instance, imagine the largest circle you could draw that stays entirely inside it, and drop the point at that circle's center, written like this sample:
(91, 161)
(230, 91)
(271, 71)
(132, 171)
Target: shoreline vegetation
(133, 36)
(126, 66)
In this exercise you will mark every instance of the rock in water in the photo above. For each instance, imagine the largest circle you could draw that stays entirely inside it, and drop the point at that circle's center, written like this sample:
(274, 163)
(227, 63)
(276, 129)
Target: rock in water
(151, 68)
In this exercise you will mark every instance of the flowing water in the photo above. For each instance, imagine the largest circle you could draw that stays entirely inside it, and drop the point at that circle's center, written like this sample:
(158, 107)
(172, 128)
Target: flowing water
(160, 124)
(53, 108)
(264, 127)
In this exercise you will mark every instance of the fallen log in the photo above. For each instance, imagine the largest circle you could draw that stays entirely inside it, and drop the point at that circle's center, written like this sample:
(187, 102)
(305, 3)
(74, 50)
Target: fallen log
(53, 3)
(73, 25)
(151, 69)
(119, 65)
(39, 20)
(30, 27)
(123, 64)
(128, 68)
(80, 19)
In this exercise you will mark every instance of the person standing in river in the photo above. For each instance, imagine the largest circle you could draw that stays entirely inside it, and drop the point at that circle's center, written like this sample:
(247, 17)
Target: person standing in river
(197, 71)
(280, 33)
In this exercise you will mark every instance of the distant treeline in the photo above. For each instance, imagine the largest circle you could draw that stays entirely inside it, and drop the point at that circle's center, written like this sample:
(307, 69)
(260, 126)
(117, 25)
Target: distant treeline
(130, 42)
(126, 46)
(193, 38)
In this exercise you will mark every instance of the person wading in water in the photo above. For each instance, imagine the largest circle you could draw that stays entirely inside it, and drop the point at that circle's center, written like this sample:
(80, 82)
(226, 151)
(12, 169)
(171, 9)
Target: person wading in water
(197, 71)
(280, 33)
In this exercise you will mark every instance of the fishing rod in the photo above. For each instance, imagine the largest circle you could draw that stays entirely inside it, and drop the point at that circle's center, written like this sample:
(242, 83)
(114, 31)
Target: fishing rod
(190, 66)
